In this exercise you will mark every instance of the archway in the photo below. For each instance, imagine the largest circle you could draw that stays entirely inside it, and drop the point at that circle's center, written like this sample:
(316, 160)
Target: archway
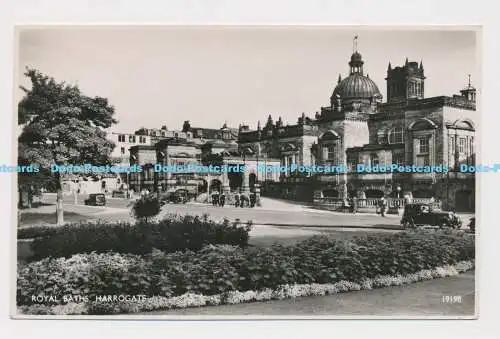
(423, 193)
(235, 180)
(202, 186)
(252, 180)
(215, 185)
(373, 193)
(330, 193)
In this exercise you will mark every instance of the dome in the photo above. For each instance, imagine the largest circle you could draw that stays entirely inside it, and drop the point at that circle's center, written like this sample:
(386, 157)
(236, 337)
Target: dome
(356, 86)
(356, 57)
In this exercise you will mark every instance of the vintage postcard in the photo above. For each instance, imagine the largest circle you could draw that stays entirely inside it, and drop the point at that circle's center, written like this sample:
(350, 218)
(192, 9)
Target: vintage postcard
(256, 172)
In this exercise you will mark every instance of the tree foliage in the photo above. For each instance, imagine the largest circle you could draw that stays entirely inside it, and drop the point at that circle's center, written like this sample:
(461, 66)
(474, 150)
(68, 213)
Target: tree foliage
(146, 207)
(60, 126)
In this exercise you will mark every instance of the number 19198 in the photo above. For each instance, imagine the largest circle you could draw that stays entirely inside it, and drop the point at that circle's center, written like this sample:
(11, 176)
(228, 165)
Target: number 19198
(452, 299)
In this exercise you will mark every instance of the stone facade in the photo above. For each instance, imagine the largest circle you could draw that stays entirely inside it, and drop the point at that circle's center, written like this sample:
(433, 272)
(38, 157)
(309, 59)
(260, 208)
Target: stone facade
(198, 146)
(358, 128)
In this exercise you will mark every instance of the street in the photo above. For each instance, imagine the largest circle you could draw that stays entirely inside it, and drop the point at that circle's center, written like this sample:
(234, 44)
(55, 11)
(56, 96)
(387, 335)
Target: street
(273, 212)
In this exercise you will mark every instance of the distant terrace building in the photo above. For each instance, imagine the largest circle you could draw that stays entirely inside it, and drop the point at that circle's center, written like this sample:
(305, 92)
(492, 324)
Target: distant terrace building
(196, 146)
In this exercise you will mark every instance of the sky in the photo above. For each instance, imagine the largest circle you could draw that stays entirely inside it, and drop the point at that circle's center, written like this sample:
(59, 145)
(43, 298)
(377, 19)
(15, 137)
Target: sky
(164, 75)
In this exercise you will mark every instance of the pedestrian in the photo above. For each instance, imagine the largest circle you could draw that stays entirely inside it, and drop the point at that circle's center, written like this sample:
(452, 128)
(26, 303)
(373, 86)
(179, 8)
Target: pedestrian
(236, 200)
(383, 205)
(352, 207)
(253, 198)
(222, 200)
(407, 199)
(243, 199)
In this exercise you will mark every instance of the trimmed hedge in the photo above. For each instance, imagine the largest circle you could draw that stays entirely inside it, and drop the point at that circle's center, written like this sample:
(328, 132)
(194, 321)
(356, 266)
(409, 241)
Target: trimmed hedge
(217, 270)
(169, 235)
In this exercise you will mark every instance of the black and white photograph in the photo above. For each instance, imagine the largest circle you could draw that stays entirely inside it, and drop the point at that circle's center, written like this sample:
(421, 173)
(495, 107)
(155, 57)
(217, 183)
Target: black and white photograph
(250, 172)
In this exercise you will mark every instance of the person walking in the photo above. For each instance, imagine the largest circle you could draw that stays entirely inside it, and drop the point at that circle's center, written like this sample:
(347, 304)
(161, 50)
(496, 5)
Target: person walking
(382, 205)
(253, 198)
(214, 199)
(237, 200)
(222, 200)
(354, 205)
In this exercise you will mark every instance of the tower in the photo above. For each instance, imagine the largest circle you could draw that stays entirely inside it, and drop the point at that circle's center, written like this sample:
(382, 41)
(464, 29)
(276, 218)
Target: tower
(405, 82)
(469, 92)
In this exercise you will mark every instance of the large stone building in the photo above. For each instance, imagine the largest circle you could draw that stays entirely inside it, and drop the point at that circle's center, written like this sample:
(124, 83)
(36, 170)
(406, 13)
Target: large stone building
(196, 146)
(358, 128)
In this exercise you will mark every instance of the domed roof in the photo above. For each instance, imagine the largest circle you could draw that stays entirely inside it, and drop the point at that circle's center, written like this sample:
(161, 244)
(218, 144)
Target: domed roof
(356, 57)
(356, 86)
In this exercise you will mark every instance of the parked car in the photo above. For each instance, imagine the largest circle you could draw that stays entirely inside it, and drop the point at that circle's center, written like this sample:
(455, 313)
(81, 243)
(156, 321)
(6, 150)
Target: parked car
(472, 225)
(98, 199)
(425, 214)
(176, 197)
(119, 194)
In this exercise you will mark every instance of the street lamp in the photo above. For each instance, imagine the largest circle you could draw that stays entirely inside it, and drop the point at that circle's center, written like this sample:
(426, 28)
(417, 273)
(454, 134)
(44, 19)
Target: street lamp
(399, 190)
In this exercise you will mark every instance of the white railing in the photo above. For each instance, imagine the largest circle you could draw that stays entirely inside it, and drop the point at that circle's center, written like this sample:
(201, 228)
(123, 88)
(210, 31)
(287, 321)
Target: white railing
(372, 202)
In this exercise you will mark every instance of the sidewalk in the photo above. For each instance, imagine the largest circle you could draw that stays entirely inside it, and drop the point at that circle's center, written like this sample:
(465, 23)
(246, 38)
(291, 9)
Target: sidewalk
(420, 299)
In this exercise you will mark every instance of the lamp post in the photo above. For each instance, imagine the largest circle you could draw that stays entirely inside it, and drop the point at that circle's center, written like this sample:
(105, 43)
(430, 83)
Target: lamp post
(398, 189)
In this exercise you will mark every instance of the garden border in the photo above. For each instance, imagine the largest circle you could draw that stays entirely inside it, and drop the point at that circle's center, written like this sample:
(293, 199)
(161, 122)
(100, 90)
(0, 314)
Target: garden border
(186, 300)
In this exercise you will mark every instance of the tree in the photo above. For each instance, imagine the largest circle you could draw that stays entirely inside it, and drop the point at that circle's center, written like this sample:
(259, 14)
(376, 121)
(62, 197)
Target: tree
(62, 127)
(146, 208)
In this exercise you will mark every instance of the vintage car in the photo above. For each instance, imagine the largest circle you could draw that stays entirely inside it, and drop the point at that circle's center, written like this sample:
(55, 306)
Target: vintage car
(176, 197)
(472, 225)
(425, 214)
(97, 199)
(119, 194)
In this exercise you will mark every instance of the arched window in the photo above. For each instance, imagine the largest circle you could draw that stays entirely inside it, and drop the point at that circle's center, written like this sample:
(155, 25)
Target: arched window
(396, 135)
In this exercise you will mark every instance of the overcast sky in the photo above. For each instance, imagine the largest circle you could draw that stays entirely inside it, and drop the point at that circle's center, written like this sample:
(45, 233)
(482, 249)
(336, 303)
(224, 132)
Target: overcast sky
(158, 76)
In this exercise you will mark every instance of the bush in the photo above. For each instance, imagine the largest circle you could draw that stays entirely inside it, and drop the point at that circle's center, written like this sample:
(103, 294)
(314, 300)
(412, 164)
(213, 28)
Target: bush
(36, 231)
(147, 207)
(169, 235)
(221, 270)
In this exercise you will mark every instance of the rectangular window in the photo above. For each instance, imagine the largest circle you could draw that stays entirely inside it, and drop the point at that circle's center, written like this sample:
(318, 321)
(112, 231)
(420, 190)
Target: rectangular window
(131, 138)
(462, 146)
(452, 145)
(471, 152)
(423, 147)
(331, 152)
(121, 138)
(123, 150)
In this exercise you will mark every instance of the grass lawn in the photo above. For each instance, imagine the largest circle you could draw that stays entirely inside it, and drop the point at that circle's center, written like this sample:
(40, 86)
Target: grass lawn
(36, 218)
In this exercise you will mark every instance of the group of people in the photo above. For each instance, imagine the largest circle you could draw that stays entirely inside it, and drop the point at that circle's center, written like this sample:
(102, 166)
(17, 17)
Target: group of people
(218, 199)
(240, 200)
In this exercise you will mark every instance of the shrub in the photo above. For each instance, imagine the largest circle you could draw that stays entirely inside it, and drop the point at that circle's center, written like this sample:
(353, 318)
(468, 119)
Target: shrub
(169, 235)
(36, 231)
(147, 207)
(223, 270)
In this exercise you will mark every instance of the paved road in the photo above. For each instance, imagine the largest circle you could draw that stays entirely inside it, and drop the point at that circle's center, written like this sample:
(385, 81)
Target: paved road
(419, 299)
(273, 212)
